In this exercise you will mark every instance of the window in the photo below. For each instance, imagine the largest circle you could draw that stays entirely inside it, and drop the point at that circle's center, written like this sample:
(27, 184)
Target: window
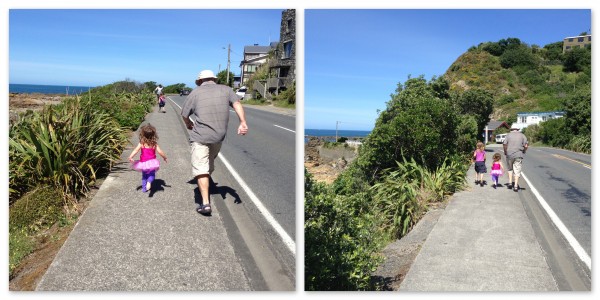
(568, 47)
(544, 118)
(571, 39)
(287, 49)
(580, 40)
(289, 25)
(590, 38)
(250, 68)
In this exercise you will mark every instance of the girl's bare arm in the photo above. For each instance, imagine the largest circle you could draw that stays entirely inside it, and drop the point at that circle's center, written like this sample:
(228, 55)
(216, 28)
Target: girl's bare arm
(161, 153)
(135, 151)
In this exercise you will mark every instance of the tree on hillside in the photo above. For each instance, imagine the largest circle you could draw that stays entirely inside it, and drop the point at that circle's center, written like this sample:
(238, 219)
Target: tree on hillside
(416, 124)
(578, 112)
(578, 60)
(553, 52)
(222, 78)
(518, 56)
(477, 103)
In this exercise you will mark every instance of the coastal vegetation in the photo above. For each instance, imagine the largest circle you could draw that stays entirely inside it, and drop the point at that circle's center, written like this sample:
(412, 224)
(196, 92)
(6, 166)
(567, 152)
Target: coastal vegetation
(57, 154)
(417, 154)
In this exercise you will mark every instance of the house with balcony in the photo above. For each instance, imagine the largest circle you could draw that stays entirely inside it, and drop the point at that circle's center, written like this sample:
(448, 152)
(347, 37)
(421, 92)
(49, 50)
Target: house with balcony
(525, 119)
(254, 57)
(576, 42)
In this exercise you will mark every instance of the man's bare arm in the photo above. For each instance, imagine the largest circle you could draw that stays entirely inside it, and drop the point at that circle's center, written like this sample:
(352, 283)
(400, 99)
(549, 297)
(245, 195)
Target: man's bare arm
(239, 110)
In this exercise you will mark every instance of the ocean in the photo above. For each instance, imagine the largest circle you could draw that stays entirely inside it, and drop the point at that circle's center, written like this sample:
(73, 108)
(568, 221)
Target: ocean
(47, 89)
(331, 132)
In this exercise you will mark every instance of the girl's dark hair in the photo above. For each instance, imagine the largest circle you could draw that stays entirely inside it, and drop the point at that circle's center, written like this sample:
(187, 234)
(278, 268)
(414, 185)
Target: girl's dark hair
(148, 135)
(497, 157)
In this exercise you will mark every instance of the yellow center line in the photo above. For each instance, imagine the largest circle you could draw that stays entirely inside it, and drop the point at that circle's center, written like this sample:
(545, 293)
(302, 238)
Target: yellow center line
(575, 161)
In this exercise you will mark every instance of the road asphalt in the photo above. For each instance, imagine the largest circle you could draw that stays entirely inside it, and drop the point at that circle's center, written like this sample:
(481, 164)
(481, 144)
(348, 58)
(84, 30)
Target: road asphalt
(482, 241)
(128, 240)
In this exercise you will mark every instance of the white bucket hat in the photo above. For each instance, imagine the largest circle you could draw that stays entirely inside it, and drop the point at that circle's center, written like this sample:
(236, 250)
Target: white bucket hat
(206, 74)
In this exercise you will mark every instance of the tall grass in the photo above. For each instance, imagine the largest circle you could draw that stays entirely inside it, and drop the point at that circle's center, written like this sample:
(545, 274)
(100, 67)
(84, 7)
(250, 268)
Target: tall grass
(64, 146)
(404, 193)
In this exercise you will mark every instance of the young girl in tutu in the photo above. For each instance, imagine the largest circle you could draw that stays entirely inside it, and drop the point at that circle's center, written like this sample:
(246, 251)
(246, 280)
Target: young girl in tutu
(497, 169)
(148, 164)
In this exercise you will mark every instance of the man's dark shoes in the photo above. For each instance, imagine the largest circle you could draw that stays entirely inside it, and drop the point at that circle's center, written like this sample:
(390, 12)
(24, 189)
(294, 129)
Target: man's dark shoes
(204, 209)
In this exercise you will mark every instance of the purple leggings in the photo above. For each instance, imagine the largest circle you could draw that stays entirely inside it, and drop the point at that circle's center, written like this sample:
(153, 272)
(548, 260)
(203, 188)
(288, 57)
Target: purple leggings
(494, 178)
(147, 177)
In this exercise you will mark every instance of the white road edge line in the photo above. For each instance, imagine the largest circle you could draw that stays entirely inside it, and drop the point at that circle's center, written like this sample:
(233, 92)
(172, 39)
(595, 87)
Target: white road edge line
(284, 236)
(287, 240)
(284, 128)
(561, 226)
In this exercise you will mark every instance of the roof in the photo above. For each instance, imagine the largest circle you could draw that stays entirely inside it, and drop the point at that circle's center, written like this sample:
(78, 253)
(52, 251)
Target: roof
(257, 49)
(542, 113)
(493, 125)
(574, 37)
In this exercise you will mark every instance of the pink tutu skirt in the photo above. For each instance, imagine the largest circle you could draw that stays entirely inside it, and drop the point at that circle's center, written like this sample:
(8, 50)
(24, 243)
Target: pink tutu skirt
(497, 172)
(146, 166)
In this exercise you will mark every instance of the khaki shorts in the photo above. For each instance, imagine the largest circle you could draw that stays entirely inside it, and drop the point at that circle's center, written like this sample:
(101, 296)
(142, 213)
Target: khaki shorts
(203, 158)
(514, 165)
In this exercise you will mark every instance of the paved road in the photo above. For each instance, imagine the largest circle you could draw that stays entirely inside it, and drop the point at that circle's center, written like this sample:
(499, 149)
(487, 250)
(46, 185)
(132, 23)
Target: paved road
(557, 198)
(265, 159)
(564, 180)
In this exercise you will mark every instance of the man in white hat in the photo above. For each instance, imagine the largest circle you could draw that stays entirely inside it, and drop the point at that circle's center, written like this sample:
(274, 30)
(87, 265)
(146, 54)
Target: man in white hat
(515, 145)
(208, 104)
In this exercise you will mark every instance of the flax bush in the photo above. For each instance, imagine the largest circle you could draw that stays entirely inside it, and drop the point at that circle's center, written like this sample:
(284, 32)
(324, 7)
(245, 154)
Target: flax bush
(404, 193)
(63, 146)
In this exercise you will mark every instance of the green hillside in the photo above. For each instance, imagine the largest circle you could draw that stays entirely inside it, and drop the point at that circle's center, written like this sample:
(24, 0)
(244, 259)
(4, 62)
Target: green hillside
(522, 77)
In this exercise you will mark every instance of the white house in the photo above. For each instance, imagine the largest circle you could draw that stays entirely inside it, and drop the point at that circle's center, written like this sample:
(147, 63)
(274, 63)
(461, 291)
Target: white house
(525, 119)
(254, 57)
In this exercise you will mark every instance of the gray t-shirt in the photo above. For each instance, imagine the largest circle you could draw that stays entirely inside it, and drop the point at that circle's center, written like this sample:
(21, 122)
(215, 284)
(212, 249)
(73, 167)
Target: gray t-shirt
(209, 105)
(515, 142)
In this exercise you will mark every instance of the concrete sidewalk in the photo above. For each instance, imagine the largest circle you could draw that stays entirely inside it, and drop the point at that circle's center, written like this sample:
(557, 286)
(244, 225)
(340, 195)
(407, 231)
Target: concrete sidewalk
(132, 241)
(482, 241)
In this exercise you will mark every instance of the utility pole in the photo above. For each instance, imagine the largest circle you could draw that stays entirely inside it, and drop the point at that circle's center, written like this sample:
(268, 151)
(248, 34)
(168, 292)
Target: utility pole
(336, 131)
(228, 57)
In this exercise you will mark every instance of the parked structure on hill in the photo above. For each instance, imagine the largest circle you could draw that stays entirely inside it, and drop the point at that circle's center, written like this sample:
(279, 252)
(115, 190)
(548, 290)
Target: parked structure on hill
(576, 42)
(525, 119)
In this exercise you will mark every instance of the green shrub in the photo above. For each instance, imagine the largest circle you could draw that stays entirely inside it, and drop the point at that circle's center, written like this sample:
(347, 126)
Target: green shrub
(580, 143)
(37, 209)
(19, 246)
(341, 240)
(553, 132)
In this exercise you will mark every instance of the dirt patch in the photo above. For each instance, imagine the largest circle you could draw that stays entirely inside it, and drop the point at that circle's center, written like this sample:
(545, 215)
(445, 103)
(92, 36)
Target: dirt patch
(322, 170)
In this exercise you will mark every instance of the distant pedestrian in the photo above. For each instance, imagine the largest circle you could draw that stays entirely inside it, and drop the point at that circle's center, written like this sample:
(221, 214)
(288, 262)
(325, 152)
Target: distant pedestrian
(497, 169)
(158, 90)
(161, 103)
(515, 146)
(479, 159)
(147, 164)
(209, 105)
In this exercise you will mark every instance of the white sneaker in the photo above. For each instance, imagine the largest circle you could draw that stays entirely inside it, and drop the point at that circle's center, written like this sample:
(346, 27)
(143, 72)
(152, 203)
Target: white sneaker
(148, 185)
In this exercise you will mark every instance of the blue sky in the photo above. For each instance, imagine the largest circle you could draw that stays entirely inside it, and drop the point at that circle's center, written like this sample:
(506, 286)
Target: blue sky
(99, 46)
(354, 59)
